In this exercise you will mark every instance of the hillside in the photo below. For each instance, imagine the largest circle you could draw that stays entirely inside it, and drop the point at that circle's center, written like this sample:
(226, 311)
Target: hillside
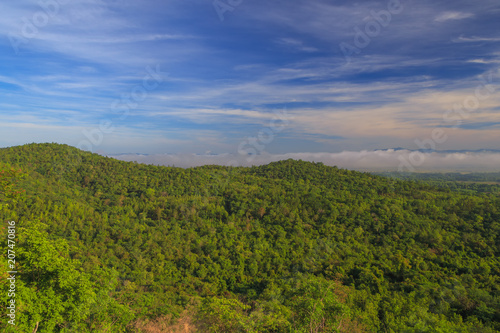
(291, 246)
(464, 182)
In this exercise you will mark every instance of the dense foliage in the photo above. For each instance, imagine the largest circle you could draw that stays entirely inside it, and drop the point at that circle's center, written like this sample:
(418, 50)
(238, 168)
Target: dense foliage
(287, 247)
(470, 182)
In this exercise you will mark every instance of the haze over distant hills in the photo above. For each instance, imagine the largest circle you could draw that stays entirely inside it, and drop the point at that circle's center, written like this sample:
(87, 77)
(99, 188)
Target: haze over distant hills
(393, 159)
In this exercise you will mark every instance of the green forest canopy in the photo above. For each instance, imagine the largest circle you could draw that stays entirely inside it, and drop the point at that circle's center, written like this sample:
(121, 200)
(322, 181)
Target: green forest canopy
(291, 246)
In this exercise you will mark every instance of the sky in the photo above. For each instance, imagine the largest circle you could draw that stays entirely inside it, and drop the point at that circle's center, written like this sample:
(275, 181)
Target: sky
(245, 82)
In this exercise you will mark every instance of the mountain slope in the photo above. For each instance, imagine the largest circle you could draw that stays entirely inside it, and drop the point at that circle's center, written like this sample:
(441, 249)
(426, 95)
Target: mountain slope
(278, 248)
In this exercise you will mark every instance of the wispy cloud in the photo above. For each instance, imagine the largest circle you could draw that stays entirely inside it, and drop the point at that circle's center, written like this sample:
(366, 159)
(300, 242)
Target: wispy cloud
(447, 16)
(226, 78)
(295, 44)
(484, 61)
(474, 39)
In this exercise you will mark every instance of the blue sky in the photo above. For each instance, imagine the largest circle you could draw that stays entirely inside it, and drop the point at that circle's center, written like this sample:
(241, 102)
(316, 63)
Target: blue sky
(274, 71)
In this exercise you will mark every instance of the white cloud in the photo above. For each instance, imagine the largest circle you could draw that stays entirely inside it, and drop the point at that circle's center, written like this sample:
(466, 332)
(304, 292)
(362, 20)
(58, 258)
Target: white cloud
(484, 61)
(296, 44)
(462, 39)
(446, 16)
(92, 30)
(371, 114)
(378, 160)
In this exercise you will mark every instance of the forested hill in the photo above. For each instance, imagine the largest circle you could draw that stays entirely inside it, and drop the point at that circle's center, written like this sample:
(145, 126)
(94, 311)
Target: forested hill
(111, 246)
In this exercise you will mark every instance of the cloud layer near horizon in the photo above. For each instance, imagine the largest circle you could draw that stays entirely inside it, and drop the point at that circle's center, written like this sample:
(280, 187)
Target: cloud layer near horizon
(380, 160)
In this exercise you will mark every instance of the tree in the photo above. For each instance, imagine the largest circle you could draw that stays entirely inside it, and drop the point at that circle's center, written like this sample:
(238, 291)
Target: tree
(52, 295)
